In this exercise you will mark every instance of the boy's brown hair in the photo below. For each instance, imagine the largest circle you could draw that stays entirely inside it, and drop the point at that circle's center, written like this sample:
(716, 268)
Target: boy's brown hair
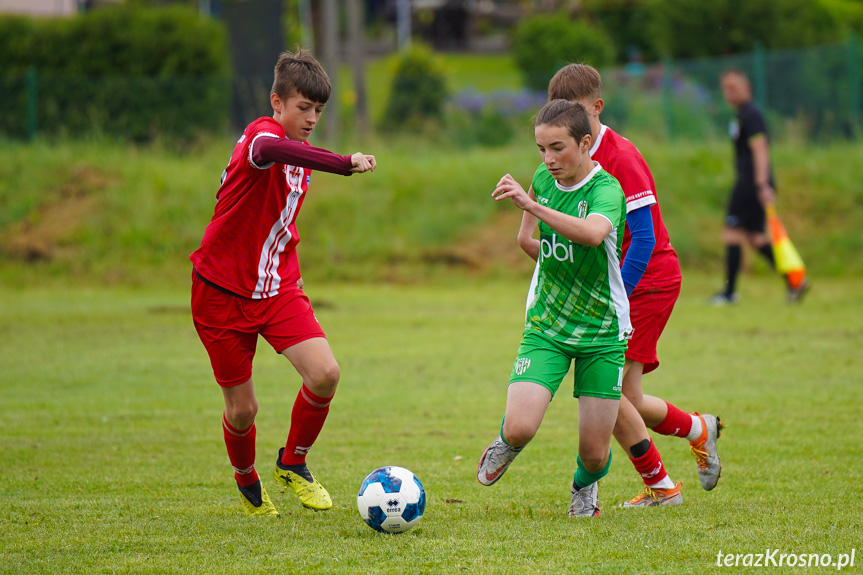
(565, 114)
(300, 73)
(574, 82)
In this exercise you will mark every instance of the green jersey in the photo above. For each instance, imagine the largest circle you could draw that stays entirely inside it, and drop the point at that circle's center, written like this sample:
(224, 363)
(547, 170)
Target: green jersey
(579, 298)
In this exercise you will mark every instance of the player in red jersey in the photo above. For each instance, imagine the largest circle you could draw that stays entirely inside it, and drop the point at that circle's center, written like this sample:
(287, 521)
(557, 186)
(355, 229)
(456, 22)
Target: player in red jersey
(651, 274)
(246, 280)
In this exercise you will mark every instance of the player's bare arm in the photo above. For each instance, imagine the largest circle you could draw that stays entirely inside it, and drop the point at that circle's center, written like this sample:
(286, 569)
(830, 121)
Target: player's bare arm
(761, 162)
(589, 232)
(526, 241)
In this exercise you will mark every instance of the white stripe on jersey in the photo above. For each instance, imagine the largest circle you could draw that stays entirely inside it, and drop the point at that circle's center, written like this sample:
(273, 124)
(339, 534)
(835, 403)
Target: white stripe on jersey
(269, 280)
(533, 290)
(615, 284)
(640, 203)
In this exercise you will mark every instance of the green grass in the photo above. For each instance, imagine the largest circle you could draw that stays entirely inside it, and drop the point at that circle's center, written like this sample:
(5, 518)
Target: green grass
(112, 459)
(144, 209)
(150, 207)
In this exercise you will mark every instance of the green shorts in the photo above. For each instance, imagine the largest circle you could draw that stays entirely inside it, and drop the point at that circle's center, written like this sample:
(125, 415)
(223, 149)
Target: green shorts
(598, 368)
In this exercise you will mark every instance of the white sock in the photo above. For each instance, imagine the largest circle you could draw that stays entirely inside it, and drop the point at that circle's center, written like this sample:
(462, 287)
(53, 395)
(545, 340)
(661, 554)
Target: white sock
(666, 483)
(696, 430)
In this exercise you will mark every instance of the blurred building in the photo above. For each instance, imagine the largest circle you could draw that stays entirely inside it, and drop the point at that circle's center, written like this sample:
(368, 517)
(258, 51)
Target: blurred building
(39, 7)
(472, 25)
(49, 7)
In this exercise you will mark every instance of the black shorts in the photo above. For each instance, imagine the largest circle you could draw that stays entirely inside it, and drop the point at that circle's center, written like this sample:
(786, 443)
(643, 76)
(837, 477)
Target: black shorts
(745, 211)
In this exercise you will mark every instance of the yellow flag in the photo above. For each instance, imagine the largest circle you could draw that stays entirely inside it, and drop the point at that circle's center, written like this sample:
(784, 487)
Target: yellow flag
(788, 261)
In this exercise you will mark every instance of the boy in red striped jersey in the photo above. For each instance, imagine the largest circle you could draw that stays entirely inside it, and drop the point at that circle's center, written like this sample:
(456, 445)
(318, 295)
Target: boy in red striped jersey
(246, 280)
(651, 274)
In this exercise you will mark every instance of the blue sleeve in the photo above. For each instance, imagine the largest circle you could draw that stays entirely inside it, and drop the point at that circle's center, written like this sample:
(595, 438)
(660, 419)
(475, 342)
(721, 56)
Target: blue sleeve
(640, 223)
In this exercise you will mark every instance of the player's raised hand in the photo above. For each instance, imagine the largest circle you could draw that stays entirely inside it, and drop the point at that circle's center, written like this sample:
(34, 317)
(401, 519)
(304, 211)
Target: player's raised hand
(363, 163)
(507, 187)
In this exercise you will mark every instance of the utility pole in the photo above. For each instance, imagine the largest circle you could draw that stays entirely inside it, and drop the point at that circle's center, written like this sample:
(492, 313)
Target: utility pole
(356, 48)
(331, 64)
(403, 15)
(306, 25)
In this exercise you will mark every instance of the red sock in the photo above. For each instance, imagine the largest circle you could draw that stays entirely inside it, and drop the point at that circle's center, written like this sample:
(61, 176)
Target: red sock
(241, 452)
(677, 422)
(650, 466)
(307, 420)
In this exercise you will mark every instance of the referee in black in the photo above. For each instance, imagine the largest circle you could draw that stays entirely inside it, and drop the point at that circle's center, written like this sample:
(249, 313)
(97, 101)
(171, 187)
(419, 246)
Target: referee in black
(753, 187)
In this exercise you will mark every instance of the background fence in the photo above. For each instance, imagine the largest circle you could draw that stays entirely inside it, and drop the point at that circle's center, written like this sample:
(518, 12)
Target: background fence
(807, 93)
(810, 92)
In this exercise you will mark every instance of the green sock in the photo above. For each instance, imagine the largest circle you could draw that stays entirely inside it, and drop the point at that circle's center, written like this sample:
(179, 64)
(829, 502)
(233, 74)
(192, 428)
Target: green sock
(502, 438)
(583, 477)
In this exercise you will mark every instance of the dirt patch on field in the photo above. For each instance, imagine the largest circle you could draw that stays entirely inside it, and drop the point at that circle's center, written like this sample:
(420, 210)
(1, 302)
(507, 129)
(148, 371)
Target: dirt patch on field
(37, 237)
(492, 245)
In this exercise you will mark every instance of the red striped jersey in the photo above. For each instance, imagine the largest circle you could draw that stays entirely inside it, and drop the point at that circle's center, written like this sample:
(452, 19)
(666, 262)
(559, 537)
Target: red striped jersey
(249, 245)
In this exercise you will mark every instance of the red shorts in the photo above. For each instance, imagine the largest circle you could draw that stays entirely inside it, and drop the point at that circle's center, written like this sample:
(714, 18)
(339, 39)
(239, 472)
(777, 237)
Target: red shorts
(229, 326)
(649, 310)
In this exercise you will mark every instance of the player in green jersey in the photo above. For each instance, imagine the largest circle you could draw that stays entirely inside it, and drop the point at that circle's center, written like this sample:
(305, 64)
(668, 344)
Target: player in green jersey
(579, 310)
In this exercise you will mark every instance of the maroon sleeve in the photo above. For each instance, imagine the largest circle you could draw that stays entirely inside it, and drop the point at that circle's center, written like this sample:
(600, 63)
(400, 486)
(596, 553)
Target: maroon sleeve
(267, 150)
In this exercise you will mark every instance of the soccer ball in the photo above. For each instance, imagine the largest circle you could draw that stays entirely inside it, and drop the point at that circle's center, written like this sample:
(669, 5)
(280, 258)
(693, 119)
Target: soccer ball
(391, 500)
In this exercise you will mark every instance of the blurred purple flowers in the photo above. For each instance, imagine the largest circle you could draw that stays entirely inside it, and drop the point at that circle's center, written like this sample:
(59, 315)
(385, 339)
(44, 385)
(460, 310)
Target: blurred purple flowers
(503, 102)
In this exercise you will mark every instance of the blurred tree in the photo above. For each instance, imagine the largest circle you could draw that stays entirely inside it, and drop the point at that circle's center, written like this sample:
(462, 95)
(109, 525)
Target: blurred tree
(694, 28)
(120, 70)
(418, 91)
(544, 43)
(848, 13)
(627, 22)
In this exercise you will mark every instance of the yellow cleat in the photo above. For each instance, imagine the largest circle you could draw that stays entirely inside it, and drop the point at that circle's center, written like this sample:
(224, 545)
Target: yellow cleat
(308, 489)
(255, 500)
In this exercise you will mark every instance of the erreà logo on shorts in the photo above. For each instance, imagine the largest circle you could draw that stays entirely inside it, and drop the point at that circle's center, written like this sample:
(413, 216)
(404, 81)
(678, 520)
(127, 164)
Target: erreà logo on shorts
(562, 252)
(521, 365)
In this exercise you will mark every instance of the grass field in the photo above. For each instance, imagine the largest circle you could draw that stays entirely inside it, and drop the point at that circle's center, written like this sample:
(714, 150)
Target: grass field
(79, 211)
(112, 459)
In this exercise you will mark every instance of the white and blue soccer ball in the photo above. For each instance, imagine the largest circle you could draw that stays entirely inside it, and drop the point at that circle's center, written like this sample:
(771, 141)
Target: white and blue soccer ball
(391, 500)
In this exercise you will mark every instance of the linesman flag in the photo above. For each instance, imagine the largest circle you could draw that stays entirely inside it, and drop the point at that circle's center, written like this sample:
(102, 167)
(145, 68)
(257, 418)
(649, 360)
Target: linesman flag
(788, 261)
